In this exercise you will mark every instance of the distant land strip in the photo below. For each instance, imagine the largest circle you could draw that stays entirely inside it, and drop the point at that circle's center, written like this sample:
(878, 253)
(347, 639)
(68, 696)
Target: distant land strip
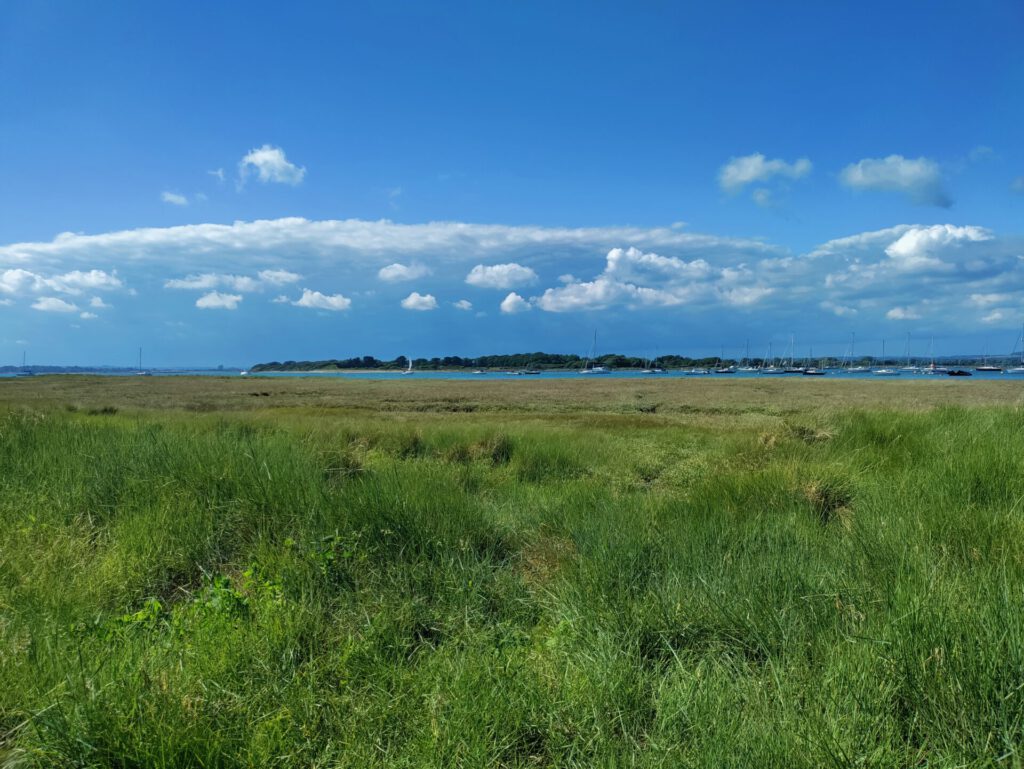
(555, 361)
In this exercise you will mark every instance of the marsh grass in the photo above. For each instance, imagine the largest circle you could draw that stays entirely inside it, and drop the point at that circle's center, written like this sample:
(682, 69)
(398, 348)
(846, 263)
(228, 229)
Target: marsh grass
(293, 589)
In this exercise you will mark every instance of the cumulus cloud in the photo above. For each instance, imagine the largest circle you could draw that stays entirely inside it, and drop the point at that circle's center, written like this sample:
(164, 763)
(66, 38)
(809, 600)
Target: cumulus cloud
(919, 179)
(336, 243)
(53, 304)
(243, 283)
(463, 304)
(270, 165)
(514, 303)
(174, 198)
(741, 171)
(88, 316)
(278, 277)
(501, 276)
(18, 281)
(417, 301)
(98, 303)
(317, 301)
(931, 268)
(215, 300)
(903, 313)
(984, 300)
(396, 272)
(919, 247)
(634, 278)
(841, 310)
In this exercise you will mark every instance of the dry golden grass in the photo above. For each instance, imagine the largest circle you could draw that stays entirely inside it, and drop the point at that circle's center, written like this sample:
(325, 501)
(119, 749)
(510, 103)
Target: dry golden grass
(665, 397)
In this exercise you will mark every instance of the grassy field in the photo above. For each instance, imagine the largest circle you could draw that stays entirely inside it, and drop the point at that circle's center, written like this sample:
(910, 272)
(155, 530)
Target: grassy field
(523, 574)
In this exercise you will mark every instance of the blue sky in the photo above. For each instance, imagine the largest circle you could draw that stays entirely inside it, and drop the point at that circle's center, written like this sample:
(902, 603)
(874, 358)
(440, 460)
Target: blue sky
(237, 182)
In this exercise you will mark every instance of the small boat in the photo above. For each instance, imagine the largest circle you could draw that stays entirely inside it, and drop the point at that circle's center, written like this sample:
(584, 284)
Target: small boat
(24, 370)
(1018, 369)
(885, 371)
(589, 369)
(725, 370)
(986, 367)
(243, 373)
(408, 370)
(529, 372)
(814, 372)
(958, 372)
(479, 371)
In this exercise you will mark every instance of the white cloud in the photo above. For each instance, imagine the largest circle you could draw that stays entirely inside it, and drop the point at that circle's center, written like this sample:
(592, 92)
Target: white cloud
(243, 283)
(838, 309)
(903, 313)
(637, 279)
(282, 299)
(98, 303)
(920, 179)
(76, 281)
(317, 301)
(19, 281)
(463, 304)
(217, 174)
(417, 301)
(1018, 184)
(396, 272)
(919, 247)
(984, 300)
(215, 300)
(514, 303)
(173, 198)
(996, 316)
(269, 243)
(739, 172)
(194, 282)
(88, 316)
(270, 165)
(53, 304)
(763, 197)
(278, 277)
(501, 276)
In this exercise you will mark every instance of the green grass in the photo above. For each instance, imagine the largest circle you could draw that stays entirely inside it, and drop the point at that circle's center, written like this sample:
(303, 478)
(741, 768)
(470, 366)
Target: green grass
(813, 589)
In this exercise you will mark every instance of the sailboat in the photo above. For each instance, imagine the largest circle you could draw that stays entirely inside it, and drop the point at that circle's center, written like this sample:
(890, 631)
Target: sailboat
(885, 371)
(984, 364)
(792, 368)
(24, 371)
(409, 369)
(746, 367)
(587, 368)
(907, 366)
(771, 368)
(650, 368)
(141, 371)
(855, 369)
(812, 370)
(722, 368)
(931, 368)
(1018, 369)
